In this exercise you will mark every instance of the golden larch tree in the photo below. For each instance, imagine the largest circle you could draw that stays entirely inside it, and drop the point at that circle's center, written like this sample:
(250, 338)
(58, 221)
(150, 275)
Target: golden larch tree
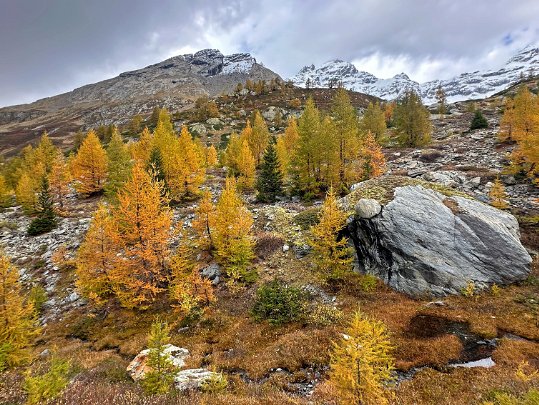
(97, 257)
(193, 173)
(330, 252)
(188, 290)
(260, 138)
(232, 232)
(286, 146)
(507, 122)
(18, 326)
(142, 149)
(374, 120)
(5, 192)
(346, 129)
(204, 221)
(211, 156)
(89, 167)
(45, 152)
(59, 179)
(144, 221)
(362, 362)
(26, 192)
(373, 159)
(232, 152)
(304, 162)
(497, 195)
(246, 167)
(119, 165)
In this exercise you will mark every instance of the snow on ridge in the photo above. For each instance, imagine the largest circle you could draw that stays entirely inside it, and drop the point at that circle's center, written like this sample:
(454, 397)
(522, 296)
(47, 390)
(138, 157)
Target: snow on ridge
(238, 63)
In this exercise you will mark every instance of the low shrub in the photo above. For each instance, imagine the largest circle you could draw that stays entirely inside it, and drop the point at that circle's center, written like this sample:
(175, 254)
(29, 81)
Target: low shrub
(279, 303)
(40, 225)
(469, 290)
(216, 383)
(478, 121)
(38, 296)
(354, 283)
(44, 387)
(267, 244)
(324, 315)
(307, 218)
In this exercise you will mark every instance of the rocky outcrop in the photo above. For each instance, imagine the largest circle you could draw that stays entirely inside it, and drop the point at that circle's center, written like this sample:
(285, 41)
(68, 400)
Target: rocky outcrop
(427, 240)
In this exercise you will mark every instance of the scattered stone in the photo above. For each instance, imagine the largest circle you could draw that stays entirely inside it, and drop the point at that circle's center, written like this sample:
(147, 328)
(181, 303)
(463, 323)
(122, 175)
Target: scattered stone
(271, 112)
(214, 122)
(476, 181)
(286, 248)
(436, 304)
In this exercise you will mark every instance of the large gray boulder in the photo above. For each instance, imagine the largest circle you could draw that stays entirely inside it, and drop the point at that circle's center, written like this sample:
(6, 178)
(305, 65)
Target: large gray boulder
(431, 241)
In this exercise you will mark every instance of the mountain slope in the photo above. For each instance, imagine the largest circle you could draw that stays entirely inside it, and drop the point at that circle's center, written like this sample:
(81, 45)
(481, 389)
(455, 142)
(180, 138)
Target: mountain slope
(465, 86)
(173, 83)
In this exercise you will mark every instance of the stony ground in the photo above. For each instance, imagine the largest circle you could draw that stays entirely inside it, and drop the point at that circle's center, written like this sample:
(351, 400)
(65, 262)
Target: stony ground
(466, 160)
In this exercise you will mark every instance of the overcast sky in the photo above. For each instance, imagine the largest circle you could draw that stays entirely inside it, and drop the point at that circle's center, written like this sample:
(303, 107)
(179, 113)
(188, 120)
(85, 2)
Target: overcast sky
(52, 46)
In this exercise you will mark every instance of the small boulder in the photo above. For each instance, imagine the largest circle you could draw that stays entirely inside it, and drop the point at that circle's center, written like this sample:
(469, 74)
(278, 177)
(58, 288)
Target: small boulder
(212, 272)
(367, 208)
(198, 129)
(192, 379)
(138, 368)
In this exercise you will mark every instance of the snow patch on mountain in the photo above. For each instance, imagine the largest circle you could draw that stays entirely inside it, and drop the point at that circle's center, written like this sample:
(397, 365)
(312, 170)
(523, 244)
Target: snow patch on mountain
(465, 86)
(238, 63)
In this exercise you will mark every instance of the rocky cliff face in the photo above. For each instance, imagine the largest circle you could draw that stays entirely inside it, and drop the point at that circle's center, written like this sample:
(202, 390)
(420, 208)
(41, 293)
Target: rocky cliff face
(465, 86)
(173, 83)
(424, 241)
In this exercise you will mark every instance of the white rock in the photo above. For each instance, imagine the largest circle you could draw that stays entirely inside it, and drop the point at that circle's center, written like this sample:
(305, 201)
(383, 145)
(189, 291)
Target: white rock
(368, 208)
(138, 368)
(192, 378)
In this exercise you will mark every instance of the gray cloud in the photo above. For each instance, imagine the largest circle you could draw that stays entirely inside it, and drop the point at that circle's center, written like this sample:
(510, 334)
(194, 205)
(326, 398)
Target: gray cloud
(53, 46)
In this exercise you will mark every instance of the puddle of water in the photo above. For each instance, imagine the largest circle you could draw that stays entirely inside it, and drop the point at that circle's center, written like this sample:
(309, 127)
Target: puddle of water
(484, 363)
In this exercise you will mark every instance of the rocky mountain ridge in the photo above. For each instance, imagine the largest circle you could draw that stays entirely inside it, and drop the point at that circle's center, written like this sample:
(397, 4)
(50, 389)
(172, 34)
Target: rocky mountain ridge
(474, 85)
(173, 83)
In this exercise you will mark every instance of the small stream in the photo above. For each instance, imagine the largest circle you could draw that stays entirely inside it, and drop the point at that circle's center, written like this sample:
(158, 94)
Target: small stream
(476, 351)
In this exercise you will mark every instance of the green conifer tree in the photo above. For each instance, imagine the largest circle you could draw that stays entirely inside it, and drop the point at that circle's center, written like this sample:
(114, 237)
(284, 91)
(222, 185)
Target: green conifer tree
(270, 180)
(46, 219)
(478, 121)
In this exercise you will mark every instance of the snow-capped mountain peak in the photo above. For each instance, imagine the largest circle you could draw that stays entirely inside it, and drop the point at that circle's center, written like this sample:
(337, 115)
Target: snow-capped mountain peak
(474, 85)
